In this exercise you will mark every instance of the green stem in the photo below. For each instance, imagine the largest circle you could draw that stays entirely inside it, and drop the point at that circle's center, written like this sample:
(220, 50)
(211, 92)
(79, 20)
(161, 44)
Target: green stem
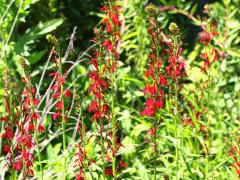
(176, 128)
(35, 131)
(24, 166)
(113, 131)
(114, 125)
(207, 142)
(155, 150)
(102, 149)
(83, 141)
(12, 123)
(101, 127)
(38, 150)
(64, 135)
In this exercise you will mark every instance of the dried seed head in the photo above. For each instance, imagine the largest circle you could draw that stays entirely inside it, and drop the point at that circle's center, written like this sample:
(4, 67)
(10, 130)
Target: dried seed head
(173, 28)
(25, 66)
(52, 39)
(97, 31)
(152, 9)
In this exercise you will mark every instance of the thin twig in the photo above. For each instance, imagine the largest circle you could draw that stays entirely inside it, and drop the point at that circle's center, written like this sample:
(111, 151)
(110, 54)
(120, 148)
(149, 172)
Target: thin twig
(70, 45)
(5, 12)
(180, 11)
(11, 31)
(44, 71)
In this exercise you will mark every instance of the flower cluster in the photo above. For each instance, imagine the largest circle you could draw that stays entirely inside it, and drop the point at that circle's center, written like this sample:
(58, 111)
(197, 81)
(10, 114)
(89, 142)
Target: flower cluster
(166, 66)
(22, 119)
(102, 80)
(29, 126)
(235, 154)
(210, 53)
(11, 101)
(58, 91)
(154, 72)
(81, 157)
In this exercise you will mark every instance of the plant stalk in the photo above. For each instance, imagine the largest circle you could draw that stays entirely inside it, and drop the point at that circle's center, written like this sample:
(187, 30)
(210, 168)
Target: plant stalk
(38, 151)
(36, 133)
(113, 131)
(176, 128)
(155, 150)
(64, 135)
(102, 149)
(12, 123)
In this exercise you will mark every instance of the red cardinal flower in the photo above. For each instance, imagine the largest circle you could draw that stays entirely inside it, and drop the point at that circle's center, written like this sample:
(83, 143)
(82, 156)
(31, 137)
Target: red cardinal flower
(7, 148)
(59, 105)
(17, 165)
(68, 93)
(108, 45)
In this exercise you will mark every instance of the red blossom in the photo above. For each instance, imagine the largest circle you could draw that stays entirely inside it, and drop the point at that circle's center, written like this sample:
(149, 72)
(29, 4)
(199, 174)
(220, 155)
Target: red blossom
(159, 103)
(108, 45)
(162, 80)
(68, 93)
(56, 115)
(6, 148)
(17, 165)
(35, 102)
(8, 134)
(59, 105)
(30, 127)
(152, 131)
(108, 171)
(34, 116)
(106, 56)
(40, 128)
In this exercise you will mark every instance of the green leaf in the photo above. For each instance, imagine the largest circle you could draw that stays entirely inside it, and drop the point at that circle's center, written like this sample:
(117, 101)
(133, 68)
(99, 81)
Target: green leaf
(34, 33)
(234, 52)
(52, 152)
(35, 57)
(138, 129)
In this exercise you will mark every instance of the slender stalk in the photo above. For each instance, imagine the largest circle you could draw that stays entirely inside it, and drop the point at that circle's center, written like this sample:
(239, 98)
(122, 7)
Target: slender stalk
(83, 142)
(35, 132)
(38, 150)
(155, 150)
(63, 120)
(101, 128)
(113, 130)
(12, 123)
(176, 128)
(102, 149)
(64, 135)
(24, 166)
(5, 12)
(114, 125)
(207, 143)
(11, 31)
